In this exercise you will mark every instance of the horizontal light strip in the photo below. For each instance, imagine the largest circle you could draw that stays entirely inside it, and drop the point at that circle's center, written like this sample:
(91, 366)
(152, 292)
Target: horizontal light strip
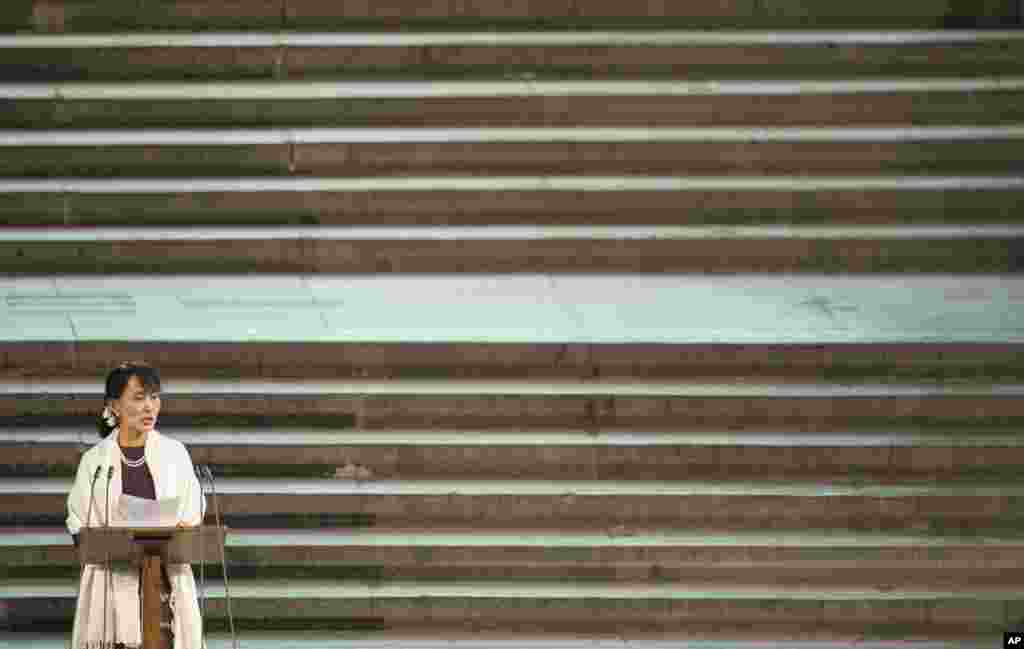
(272, 487)
(357, 537)
(581, 592)
(508, 183)
(213, 137)
(259, 387)
(481, 640)
(260, 437)
(285, 90)
(555, 39)
(506, 233)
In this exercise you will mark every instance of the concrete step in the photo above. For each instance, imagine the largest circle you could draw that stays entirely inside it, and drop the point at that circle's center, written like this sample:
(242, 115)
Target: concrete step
(175, 56)
(512, 249)
(836, 329)
(523, 151)
(490, 640)
(593, 406)
(75, 15)
(959, 508)
(875, 102)
(850, 456)
(68, 354)
(564, 606)
(514, 200)
(752, 558)
(54, 154)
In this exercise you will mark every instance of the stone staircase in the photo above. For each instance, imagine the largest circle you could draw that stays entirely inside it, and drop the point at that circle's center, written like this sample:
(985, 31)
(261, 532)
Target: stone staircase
(532, 324)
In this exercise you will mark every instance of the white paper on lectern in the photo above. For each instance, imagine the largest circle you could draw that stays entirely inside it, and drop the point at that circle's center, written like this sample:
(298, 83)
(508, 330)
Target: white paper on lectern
(142, 512)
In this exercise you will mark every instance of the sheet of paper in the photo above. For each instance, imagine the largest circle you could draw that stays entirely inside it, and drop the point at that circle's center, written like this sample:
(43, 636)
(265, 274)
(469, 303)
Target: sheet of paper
(142, 512)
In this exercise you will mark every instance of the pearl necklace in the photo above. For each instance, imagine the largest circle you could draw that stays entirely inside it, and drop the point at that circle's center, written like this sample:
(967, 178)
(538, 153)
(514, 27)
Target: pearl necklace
(131, 464)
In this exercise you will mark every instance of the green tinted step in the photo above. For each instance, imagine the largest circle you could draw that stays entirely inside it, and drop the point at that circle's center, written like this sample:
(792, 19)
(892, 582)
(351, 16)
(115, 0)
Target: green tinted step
(839, 457)
(724, 505)
(594, 405)
(513, 200)
(65, 354)
(508, 55)
(354, 152)
(576, 605)
(513, 249)
(78, 15)
(621, 555)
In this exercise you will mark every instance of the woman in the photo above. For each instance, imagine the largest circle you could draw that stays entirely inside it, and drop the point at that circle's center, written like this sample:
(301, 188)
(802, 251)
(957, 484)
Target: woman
(145, 464)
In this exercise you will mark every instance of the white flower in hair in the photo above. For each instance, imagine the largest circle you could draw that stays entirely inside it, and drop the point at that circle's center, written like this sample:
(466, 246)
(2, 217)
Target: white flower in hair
(109, 417)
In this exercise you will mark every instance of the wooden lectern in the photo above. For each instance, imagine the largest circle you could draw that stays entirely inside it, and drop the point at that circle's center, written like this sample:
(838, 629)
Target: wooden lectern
(149, 548)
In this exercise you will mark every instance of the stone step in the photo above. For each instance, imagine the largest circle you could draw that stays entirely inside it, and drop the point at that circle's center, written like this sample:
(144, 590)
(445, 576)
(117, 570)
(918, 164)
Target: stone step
(393, 152)
(490, 640)
(879, 102)
(593, 405)
(850, 456)
(513, 200)
(812, 559)
(959, 508)
(512, 249)
(354, 152)
(502, 54)
(58, 16)
(564, 606)
(957, 329)
(68, 354)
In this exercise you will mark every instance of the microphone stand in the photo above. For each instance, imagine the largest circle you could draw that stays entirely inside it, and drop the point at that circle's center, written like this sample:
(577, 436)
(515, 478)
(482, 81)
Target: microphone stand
(107, 577)
(223, 561)
(88, 516)
(202, 559)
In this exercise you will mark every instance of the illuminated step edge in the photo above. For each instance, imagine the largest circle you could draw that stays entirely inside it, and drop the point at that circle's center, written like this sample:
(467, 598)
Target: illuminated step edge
(504, 232)
(293, 487)
(36, 387)
(525, 39)
(278, 436)
(241, 137)
(357, 537)
(512, 183)
(285, 90)
(331, 589)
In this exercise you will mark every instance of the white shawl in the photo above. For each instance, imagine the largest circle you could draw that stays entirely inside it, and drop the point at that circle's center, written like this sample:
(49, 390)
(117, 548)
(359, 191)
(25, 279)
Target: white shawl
(173, 477)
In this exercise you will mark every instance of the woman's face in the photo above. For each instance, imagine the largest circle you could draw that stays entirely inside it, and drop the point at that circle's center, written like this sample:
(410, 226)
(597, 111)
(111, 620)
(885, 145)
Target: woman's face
(136, 411)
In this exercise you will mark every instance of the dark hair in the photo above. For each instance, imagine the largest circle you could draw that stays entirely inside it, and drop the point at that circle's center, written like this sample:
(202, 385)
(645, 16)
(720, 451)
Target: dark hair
(117, 381)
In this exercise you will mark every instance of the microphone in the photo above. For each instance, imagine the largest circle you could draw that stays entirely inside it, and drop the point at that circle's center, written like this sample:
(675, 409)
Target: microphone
(107, 580)
(92, 494)
(213, 488)
(198, 470)
(110, 475)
